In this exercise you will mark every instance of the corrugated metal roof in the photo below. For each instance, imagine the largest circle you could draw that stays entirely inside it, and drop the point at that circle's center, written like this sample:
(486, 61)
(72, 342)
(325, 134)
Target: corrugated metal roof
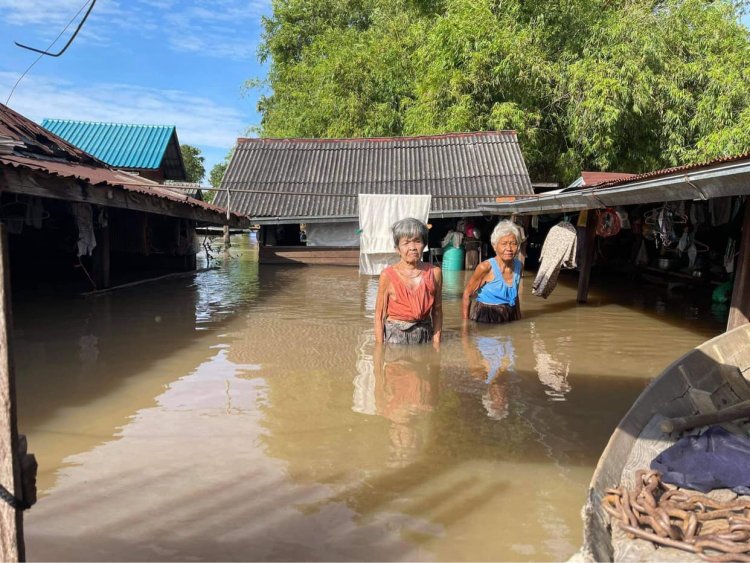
(31, 147)
(118, 144)
(676, 169)
(322, 177)
(596, 178)
(721, 177)
(36, 140)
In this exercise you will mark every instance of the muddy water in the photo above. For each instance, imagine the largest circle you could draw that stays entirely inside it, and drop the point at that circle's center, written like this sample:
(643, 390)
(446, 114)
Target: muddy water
(245, 414)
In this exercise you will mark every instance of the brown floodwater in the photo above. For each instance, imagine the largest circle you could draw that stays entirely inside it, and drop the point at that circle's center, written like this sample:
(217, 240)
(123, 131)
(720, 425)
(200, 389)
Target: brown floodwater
(244, 413)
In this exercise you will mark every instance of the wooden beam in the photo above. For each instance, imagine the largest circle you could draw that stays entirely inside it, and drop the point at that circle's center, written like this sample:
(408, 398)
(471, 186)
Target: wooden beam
(586, 261)
(739, 311)
(525, 222)
(44, 185)
(11, 519)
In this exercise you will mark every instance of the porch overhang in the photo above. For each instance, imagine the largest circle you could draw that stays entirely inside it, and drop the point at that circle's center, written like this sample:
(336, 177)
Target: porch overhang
(721, 180)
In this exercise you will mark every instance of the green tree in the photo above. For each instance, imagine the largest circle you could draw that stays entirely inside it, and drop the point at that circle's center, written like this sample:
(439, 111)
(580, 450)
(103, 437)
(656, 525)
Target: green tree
(595, 84)
(217, 173)
(193, 160)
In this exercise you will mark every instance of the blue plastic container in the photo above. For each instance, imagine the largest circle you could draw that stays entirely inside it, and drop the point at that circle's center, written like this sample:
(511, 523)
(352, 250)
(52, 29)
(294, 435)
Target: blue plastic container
(453, 258)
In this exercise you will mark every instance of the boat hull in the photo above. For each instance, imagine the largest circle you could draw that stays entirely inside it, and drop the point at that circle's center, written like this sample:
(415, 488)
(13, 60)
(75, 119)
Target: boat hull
(710, 377)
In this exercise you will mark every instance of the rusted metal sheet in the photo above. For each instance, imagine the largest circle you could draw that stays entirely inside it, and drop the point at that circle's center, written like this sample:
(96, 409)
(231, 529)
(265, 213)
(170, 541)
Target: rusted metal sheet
(27, 146)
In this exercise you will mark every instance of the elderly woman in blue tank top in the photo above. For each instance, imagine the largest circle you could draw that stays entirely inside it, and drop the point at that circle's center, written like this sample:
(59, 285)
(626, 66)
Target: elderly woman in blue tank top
(491, 295)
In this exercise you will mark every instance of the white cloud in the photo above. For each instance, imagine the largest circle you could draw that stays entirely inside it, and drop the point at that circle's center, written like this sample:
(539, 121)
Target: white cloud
(215, 28)
(39, 12)
(199, 121)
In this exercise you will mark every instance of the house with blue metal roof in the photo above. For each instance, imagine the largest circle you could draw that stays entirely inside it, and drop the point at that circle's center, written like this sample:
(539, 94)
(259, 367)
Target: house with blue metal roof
(151, 151)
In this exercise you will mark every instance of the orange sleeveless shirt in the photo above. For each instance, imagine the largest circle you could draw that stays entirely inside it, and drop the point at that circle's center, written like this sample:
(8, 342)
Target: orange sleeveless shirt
(410, 304)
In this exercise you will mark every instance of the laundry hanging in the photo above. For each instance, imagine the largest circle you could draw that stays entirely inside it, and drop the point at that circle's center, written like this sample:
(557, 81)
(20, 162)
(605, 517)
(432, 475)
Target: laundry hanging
(377, 214)
(558, 251)
(83, 214)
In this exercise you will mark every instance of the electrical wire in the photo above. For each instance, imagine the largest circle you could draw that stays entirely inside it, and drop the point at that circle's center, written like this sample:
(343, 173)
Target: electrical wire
(25, 72)
(61, 51)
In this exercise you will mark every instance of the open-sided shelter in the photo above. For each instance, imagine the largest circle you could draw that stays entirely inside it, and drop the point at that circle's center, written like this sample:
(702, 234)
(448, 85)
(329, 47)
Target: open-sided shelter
(708, 199)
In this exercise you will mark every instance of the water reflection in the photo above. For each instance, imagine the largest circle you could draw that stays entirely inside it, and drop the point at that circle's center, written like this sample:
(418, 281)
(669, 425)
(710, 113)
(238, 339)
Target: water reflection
(489, 361)
(453, 284)
(552, 370)
(406, 388)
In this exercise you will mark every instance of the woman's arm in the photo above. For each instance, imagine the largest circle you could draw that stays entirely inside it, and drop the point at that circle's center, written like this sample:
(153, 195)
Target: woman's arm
(519, 290)
(437, 306)
(475, 282)
(381, 306)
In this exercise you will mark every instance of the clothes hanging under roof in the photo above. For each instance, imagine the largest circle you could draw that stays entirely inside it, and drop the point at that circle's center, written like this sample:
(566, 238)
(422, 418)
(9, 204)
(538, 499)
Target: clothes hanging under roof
(377, 214)
(83, 214)
(558, 251)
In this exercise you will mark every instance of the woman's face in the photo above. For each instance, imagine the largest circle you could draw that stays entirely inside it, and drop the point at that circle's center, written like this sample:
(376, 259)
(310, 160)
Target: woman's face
(410, 249)
(507, 247)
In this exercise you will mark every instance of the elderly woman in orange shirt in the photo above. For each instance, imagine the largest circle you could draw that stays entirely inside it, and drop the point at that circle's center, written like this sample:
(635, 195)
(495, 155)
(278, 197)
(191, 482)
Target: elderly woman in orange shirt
(409, 307)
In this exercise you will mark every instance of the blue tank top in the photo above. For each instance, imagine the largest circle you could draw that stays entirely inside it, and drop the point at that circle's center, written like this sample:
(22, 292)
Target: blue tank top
(498, 292)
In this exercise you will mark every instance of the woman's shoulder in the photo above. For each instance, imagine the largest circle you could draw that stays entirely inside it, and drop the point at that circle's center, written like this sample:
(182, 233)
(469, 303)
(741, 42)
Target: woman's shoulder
(485, 265)
(434, 270)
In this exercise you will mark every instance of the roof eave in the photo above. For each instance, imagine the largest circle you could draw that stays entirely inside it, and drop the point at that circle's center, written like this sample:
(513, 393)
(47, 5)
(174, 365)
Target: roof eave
(716, 181)
(293, 219)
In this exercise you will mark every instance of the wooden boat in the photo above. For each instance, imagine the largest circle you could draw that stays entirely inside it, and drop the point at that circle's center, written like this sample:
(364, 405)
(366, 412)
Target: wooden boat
(711, 377)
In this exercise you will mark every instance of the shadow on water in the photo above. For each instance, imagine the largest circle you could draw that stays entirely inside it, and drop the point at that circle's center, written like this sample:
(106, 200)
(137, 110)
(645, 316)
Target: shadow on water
(677, 308)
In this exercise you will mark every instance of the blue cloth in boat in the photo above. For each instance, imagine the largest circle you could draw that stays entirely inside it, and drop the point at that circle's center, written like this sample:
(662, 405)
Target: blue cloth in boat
(498, 292)
(716, 459)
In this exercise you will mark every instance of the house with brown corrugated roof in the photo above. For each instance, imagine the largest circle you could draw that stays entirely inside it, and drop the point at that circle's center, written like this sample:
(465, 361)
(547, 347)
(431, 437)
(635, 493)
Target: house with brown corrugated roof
(73, 219)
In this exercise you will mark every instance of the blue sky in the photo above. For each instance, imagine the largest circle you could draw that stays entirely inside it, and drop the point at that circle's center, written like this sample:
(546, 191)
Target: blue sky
(166, 62)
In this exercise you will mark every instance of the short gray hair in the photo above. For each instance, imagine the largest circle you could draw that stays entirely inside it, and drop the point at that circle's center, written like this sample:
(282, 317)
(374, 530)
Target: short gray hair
(409, 228)
(505, 228)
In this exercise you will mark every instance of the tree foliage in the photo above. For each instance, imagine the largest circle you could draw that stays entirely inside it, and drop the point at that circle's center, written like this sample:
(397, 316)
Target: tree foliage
(588, 84)
(193, 160)
(217, 173)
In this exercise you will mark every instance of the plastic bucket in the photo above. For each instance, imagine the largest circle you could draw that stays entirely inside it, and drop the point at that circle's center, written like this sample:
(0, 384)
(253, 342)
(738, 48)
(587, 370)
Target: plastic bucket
(453, 258)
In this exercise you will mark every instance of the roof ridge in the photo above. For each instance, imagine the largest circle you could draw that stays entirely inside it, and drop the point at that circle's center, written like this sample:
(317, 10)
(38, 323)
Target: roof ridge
(313, 140)
(83, 122)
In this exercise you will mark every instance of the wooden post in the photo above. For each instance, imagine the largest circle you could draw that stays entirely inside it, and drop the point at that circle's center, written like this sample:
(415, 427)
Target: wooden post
(739, 311)
(11, 519)
(191, 260)
(101, 259)
(587, 259)
(227, 242)
(525, 222)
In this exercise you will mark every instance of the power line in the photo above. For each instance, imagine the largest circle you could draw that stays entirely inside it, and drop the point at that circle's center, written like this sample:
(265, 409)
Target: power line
(80, 25)
(42, 53)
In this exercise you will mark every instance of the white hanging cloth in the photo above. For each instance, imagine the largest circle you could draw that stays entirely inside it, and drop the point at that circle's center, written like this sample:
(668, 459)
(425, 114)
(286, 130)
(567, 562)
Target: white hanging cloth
(377, 214)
